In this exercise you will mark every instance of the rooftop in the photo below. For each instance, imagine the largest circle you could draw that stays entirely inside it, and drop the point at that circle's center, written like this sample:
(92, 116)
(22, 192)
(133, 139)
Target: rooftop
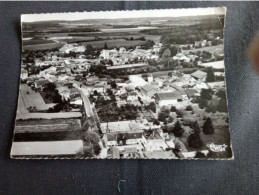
(199, 74)
(169, 96)
(147, 87)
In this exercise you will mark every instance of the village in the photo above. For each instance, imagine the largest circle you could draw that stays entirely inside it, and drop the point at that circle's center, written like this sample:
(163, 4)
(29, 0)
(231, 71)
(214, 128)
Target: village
(152, 101)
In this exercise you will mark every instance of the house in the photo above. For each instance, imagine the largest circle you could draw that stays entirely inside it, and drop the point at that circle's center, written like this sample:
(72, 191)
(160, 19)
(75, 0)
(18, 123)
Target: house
(24, 74)
(150, 78)
(155, 84)
(108, 54)
(168, 98)
(148, 90)
(132, 96)
(191, 92)
(114, 153)
(199, 75)
(111, 139)
(40, 83)
(76, 101)
(155, 142)
(130, 138)
(137, 81)
(199, 44)
(67, 48)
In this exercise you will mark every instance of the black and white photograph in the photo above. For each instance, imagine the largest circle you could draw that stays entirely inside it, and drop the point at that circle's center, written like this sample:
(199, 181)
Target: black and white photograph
(146, 84)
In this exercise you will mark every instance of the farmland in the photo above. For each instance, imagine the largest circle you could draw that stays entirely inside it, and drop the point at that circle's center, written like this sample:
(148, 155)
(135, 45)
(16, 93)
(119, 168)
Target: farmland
(36, 42)
(115, 43)
(209, 49)
(47, 46)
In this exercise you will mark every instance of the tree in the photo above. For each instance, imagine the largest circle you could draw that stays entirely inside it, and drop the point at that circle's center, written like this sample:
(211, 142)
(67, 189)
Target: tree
(210, 75)
(162, 116)
(206, 94)
(170, 119)
(189, 108)
(194, 141)
(113, 84)
(208, 128)
(179, 113)
(202, 102)
(173, 109)
(221, 94)
(109, 92)
(166, 56)
(105, 46)
(177, 129)
(222, 106)
(196, 128)
(91, 139)
(152, 107)
(173, 50)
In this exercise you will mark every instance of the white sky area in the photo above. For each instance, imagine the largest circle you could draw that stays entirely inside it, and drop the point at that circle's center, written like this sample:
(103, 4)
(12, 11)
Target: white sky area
(122, 14)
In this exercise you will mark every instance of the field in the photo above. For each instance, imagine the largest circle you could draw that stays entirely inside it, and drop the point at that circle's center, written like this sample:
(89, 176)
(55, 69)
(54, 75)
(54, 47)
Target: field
(31, 98)
(215, 65)
(54, 125)
(115, 43)
(46, 46)
(36, 42)
(210, 49)
(49, 136)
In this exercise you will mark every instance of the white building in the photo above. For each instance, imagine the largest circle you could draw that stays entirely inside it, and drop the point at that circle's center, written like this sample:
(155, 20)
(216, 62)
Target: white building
(137, 81)
(67, 48)
(168, 98)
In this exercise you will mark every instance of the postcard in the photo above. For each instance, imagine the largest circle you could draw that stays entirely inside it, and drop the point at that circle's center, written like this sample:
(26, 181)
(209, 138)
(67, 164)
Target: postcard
(146, 84)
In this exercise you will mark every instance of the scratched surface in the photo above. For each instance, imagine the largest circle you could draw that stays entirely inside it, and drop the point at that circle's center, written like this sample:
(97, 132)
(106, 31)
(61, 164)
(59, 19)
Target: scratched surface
(137, 176)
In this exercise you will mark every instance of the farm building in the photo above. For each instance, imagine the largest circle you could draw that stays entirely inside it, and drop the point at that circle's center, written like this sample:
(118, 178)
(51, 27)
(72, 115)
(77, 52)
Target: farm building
(40, 83)
(137, 81)
(72, 47)
(199, 75)
(132, 96)
(168, 98)
(148, 90)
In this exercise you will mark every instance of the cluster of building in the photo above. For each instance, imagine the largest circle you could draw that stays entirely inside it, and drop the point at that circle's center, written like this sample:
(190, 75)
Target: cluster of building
(123, 56)
(138, 138)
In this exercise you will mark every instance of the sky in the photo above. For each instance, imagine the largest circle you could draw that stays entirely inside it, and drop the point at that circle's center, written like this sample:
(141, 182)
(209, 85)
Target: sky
(122, 14)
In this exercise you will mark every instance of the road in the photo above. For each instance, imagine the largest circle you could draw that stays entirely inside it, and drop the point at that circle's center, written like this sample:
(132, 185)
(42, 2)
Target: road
(87, 104)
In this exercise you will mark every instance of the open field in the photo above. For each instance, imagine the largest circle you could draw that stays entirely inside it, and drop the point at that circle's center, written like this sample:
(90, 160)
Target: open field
(46, 148)
(36, 42)
(49, 136)
(47, 125)
(210, 49)
(115, 43)
(21, 106)
(46, 46)
(215, 65)
(31, 98)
